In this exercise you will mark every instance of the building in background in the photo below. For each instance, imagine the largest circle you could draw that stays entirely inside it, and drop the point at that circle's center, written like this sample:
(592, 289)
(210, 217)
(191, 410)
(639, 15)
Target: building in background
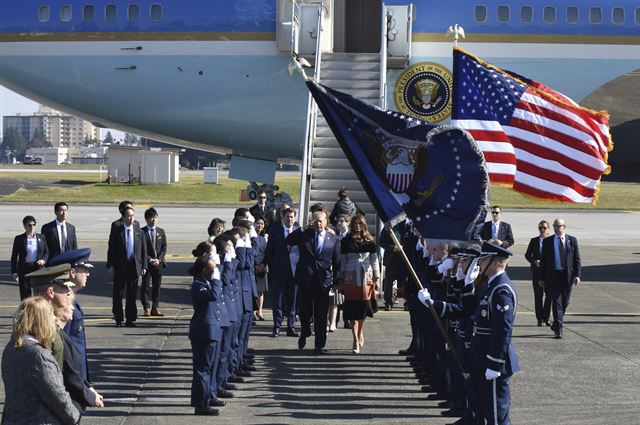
(58, 130)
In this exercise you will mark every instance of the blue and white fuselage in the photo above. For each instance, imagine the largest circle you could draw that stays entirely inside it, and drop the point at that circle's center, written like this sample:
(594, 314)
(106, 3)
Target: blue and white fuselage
(208, 73)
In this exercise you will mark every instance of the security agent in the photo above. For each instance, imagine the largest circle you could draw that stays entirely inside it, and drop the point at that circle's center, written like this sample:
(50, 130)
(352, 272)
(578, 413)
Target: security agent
(51, 283)
(78, 259)
(492, 357)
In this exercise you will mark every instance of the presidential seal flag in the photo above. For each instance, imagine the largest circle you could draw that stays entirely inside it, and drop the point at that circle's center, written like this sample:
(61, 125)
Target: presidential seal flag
(434, 175)
(534, 139)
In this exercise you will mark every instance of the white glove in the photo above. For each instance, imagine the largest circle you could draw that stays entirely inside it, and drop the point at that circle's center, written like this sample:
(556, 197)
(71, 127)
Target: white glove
(253, 233)
(460, 272)
(215, 258)
(216, 274)
(250, 217)
(419, 246)
(228, 257)
(424, 296)
(472, 272)
(491, 374)
(445, 266)
(240, 243)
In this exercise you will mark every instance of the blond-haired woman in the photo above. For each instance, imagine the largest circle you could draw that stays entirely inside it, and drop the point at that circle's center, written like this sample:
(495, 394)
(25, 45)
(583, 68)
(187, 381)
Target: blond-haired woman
(360, 274)
(34, 390)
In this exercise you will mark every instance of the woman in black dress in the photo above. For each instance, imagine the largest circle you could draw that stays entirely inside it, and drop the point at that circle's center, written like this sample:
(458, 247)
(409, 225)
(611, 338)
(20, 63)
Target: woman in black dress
(360, 274)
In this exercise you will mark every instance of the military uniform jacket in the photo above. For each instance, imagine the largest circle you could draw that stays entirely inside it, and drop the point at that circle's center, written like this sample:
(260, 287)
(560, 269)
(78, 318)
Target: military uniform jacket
(75, 331)
(245, 259)
(228, 276)
(221, 301)
(494, 317)
(205, 323)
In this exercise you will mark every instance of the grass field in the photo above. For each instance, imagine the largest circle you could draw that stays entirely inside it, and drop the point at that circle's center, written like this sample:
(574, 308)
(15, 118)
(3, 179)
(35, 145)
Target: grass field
(84, 188)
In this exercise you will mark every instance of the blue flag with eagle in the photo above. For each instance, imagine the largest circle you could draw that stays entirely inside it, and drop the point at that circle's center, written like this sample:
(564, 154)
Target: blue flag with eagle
(433, 175)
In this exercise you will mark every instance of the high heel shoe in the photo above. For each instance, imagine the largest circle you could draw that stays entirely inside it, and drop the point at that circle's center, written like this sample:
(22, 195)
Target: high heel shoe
(356, 348)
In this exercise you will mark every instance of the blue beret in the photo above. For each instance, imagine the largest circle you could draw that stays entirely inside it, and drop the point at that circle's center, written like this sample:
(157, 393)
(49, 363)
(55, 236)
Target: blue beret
(75, 257)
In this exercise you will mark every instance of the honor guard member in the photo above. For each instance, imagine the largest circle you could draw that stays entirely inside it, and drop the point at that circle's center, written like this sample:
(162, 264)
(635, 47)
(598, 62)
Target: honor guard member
(78, 275)
(492, 357)
(51, 283)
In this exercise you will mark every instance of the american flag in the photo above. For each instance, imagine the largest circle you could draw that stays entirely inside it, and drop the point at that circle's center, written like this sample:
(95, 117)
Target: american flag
(533, 138)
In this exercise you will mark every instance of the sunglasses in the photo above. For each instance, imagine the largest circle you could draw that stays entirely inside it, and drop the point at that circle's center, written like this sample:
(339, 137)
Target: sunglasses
(263, 197)
(495, 212)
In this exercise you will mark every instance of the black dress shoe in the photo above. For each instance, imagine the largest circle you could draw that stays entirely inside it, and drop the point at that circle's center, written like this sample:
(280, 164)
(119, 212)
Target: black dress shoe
(118, 324)
(427, 389)
(558, 335)
(230, 387)
(539, 323)
(292, 332)
(275, 333)
(407, 352)
(129, 325)
(225, 394)
(207, 411)
(235, 379)
(302, 341)
(249, 356)
(243, 373)
(250, 350)
(249, 368)
(435, 396)
(217, 403)
(347, 325)
(444, 404)
(319, 350)
(249, 361)
(547, 323)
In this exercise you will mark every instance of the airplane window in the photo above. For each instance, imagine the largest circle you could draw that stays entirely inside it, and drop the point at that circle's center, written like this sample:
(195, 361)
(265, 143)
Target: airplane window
(110, 12)
(155, 12)
(573, 15)
(134, 12)
(549, 14)
(44, 13)
(595, 15)
(617, 15)
(503, 13)
(88, 12)
(526, 14)
(65, 13)
(481, 13)
(638, 16)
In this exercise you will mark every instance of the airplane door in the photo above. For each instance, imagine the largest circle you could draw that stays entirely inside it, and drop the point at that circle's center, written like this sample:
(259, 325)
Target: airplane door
(399, 30)
(357, 26)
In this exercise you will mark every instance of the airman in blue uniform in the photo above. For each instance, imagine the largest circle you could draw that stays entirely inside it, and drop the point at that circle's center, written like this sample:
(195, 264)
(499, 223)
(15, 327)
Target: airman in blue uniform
(492, 359)
(78, 275)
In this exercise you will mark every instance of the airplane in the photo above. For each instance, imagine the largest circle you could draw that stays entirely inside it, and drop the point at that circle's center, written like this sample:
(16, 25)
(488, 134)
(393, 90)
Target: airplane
(212, 75)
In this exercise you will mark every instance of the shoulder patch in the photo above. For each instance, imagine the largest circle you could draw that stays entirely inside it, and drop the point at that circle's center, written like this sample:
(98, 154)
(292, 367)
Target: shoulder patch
(502, 308)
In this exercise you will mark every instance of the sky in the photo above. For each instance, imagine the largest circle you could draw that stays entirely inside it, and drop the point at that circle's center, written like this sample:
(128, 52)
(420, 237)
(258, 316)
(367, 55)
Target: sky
(12, 103)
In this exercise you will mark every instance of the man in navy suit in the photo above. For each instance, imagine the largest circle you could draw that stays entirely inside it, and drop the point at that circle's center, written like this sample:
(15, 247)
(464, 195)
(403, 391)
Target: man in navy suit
(156, 241)
(317, 271)
(496, 231)
(126, 260)
(561, 268)
(534, 251)
(282, 260)
(60, 234)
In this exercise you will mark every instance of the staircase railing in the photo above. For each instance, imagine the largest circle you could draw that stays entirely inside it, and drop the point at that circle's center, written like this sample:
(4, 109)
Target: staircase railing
(310, 130)
(383, 58)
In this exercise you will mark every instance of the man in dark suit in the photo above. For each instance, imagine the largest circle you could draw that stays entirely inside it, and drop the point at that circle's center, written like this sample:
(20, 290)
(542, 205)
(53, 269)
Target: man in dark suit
(60, 234)
(126, 260)
(394, 268)
(156, 242)
(561, 267)
(317, 270)
(496, 231)
(282, 260)
(261, 209)
(29, 253)
(534, 251)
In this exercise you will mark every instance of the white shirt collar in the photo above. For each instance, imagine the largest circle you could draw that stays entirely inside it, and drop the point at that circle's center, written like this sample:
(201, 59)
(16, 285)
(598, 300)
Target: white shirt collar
(59, 223)
(495, 275)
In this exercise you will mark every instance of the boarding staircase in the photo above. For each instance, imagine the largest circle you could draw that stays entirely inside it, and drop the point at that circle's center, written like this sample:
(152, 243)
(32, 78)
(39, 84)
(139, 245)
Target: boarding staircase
(357, 74)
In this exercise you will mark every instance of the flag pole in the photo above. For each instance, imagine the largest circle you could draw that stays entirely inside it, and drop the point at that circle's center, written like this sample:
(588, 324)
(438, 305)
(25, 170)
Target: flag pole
(416, 279)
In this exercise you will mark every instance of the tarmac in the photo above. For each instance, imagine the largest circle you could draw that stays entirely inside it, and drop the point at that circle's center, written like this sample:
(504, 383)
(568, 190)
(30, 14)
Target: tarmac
(591, 376)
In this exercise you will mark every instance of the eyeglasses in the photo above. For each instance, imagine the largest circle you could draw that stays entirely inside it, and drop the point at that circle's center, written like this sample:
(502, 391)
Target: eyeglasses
(263, 197)
(558, 225)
